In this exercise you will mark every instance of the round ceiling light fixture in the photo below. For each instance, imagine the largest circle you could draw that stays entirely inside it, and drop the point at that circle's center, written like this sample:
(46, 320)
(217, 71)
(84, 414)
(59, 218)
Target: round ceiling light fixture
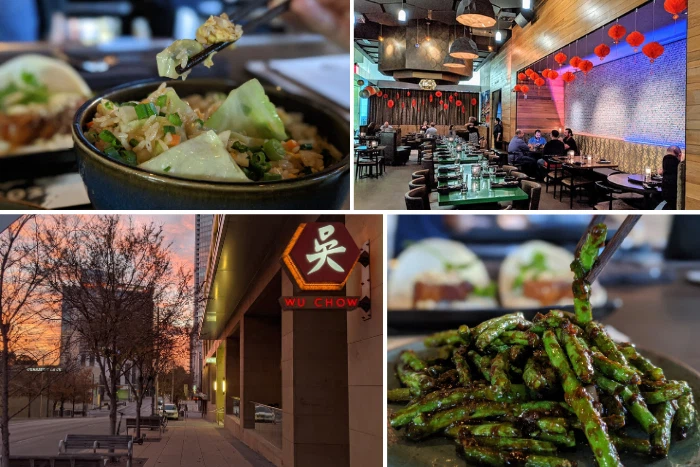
(451, 62)
(464, 48)
(476, 13)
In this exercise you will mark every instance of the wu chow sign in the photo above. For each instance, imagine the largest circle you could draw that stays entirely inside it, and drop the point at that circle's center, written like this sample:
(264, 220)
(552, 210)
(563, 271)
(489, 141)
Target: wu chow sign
(321, 256)
(319, 303)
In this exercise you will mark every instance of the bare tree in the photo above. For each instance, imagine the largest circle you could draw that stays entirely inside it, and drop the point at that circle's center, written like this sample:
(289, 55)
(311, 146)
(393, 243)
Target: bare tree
(22, 272)
(110, 276)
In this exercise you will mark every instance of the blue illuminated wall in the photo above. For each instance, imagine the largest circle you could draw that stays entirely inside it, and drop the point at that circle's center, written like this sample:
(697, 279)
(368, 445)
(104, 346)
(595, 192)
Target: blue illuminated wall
(627, 99)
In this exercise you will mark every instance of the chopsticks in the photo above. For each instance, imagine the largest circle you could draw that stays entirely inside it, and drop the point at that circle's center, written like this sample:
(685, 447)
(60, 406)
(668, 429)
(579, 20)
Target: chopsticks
(241, 14)
(610, 247)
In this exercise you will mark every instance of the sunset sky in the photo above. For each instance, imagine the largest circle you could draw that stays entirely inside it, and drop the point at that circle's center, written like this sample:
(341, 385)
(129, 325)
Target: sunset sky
(178, 231)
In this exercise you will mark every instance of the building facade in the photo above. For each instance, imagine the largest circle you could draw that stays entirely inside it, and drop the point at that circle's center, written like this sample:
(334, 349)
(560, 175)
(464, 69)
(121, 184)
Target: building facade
(302, 387)
(202, 239)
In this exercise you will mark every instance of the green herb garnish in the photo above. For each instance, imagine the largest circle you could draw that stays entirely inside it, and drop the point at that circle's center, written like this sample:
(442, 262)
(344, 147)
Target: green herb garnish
(268, 177)
(162, 101)
(168, 129)
(167, 169)
(537, 265)
(108, 137)
(175, 119)
(274, 150)
(133, 142)
(145, 110)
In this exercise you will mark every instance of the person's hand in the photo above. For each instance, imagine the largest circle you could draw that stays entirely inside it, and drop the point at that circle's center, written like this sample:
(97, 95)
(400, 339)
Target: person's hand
(328, 17)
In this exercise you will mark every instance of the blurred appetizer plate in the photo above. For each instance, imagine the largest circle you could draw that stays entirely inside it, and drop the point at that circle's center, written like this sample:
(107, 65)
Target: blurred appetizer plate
(421, 321)
(442, 452)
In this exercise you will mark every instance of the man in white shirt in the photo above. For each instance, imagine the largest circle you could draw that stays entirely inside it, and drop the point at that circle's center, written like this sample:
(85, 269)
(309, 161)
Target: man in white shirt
(432, 131)
(386, 127)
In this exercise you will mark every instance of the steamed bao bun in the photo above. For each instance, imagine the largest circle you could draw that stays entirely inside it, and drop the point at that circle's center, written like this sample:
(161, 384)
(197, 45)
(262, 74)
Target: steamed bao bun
(557, 261)
(427, 261)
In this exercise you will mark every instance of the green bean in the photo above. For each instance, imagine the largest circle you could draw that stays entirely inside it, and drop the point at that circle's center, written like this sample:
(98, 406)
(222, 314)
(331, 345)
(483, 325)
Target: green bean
(482, 362)
(553, 425)
(643, 364)
(669, 391)
(495, 330)
(547, 461)
(633, 400)
(614, 370)
(480, 455)
(661, 438)
(635, 445)
(501, 429)
(525, 338)
(398, 395)
(476, 331)
(586, 256)
(516, 444)
(460, 361)
(452, 337)
(418, 383)
(686, 415)
(567, 440)
(538, 377)
(410, 359)
(578, 356)
(594, 427)
(499, 372)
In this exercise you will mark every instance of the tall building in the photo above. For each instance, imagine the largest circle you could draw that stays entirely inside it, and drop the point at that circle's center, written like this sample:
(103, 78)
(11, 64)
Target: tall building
(202, 239)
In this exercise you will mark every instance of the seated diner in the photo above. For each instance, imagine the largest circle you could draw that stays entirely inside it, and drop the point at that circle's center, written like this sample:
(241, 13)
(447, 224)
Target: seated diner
(584, 116)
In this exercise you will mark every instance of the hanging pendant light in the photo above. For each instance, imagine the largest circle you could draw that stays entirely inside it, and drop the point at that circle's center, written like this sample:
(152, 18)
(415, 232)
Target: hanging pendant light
(476, 13)
(464, 48)
(452, 62)
(402, 13)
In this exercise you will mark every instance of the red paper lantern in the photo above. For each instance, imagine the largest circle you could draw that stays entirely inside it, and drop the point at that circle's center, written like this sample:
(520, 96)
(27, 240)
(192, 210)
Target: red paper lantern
(575, 61)
(676, 7)
(380, 94)
(522, 76)
(545, 72)
(635, 39)
(517, 88)
(455, 94)
(386, 96)
(451, 98)
(398, 96)
(446, 106)
(539, 82)
(529, 72)
(458, 103)
(560, 58)
(653, 50)
(413, 103)
(390, 104)
(602, 51)
(553, 74)
(403, 105)
(438, 94)
(568, 77)
(463, 111)
(525, 89)
(431, 98)
(617, 32)
(473, 101)
(408, 93)
(586, 66)
(441, 102)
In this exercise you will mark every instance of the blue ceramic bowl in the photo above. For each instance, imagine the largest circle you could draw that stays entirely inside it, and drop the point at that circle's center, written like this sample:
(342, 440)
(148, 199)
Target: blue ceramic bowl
(113, 185)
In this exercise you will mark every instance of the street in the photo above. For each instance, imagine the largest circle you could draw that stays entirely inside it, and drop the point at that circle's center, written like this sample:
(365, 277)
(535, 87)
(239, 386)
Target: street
(41, 436)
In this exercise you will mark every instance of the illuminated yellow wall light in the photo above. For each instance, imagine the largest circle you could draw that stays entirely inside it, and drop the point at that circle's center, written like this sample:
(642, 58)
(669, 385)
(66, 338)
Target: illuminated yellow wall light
(214, 385)
(223, 386)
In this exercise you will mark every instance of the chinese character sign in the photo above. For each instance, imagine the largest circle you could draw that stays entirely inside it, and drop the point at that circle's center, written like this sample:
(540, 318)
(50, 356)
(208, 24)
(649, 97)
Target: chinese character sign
(321, 256)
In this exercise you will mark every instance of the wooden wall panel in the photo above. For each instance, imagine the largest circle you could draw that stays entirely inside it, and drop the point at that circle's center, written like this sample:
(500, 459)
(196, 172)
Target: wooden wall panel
(692, 127)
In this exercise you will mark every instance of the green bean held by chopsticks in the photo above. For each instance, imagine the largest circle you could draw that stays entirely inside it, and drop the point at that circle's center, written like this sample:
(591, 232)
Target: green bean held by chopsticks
(582, 265)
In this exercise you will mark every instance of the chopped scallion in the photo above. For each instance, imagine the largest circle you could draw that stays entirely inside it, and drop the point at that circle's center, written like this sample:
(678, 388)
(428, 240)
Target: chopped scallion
(109, 105)
(129, 157)
(175, 119)
(167, 169)
(200, 121)
(162, 101)
(133, 142)
(168, 129)
(112, 152)
(268, 177)
(240, 147)
(108, 137)
(145, 110)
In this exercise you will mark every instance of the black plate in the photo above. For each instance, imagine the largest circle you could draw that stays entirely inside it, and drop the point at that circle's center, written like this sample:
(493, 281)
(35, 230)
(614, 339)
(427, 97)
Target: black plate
(424, 321)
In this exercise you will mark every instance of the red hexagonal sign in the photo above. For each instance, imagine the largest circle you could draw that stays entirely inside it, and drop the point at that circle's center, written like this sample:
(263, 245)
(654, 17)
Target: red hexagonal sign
(321, 255)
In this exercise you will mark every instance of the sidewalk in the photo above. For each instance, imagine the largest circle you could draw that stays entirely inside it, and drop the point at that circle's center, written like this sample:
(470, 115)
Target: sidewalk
(194, 442)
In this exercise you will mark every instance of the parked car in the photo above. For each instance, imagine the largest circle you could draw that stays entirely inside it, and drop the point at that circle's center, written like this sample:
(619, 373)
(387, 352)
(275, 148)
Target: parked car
(170, 411)
(264, 415)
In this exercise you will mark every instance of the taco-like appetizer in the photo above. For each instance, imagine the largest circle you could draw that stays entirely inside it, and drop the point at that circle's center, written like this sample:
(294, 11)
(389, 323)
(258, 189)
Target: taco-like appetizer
(538, 274)
(38, 99)
(438, 274)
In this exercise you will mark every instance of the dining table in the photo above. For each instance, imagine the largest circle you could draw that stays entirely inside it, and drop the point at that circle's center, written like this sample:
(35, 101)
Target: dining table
(634, 183)
(370, 152)
(479, 192)
(580, 166)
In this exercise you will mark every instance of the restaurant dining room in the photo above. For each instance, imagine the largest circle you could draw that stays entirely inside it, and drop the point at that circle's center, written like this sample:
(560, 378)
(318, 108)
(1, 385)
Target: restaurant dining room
(526, 105)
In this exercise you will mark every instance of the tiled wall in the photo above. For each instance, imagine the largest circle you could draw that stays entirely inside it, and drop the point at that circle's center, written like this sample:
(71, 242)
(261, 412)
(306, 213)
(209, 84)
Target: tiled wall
(631, 100)
(366, 351)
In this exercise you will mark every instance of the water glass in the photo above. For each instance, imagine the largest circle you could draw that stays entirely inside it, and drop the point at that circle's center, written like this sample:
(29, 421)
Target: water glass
(476, 171)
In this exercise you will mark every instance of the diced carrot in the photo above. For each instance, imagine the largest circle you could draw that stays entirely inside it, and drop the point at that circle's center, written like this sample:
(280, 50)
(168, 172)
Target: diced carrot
(90, 124)
(175, 140)
(290, 145)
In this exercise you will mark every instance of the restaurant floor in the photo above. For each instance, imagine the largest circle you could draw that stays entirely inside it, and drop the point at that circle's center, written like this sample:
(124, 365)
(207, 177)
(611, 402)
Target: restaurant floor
(387, 192)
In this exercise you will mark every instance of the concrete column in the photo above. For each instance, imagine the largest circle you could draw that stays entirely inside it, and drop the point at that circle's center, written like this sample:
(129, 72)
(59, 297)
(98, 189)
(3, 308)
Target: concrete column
(315, 386)
(261, 379)
(220, 399)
